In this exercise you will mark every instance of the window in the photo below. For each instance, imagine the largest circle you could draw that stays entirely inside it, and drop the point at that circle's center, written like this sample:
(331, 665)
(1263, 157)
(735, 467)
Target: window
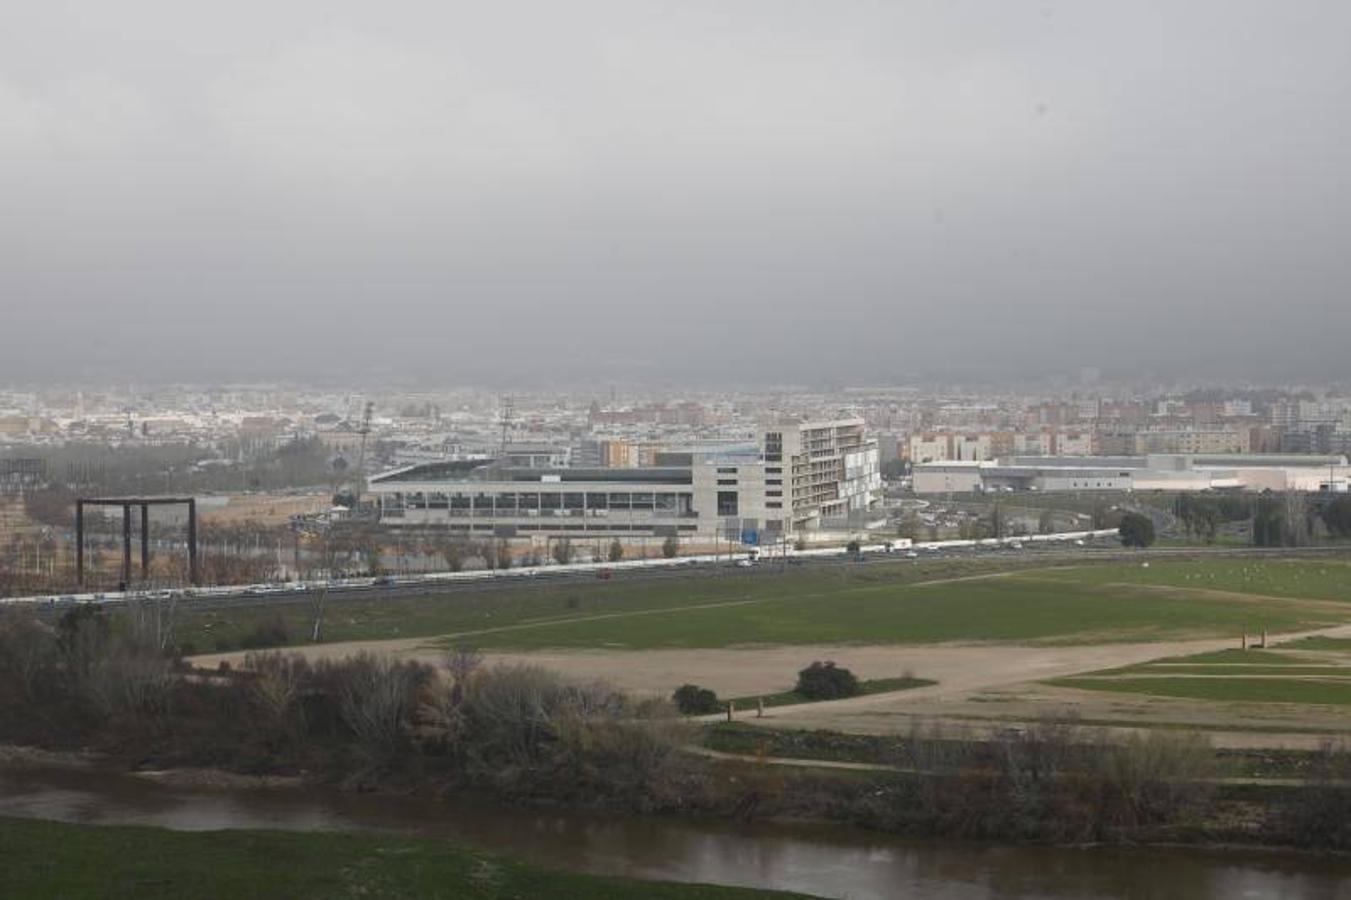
(773, 470)
(773, 493)
(773, 481)
(773, 504)
(727, 503)
(726, 481)
(773, 446)
(729, 471)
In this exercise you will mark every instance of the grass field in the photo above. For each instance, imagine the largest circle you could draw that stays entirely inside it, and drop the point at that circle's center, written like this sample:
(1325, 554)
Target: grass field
(476, 607)
(865, 688)
(1329, 644)
(1302, 578)
(876, 604)
(1235, 690)
(48, 859)
(1068, 606)
(1310, 670)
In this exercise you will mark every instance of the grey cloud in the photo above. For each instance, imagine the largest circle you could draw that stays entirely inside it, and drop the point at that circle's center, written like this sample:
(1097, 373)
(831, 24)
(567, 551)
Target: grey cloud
(759, 191)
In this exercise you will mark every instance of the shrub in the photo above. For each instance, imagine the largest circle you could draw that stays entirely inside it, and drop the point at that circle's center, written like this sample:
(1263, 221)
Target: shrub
(826, 681)
(1136, 530)
(693, 700)
(524, 729)
(670, 548)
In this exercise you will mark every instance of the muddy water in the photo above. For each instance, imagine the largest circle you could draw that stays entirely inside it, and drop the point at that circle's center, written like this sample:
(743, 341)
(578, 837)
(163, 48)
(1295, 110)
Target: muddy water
(827, 861)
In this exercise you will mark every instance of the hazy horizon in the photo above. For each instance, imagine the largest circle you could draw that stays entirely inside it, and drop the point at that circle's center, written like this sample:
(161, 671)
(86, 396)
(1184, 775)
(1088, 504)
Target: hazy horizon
(703, 193)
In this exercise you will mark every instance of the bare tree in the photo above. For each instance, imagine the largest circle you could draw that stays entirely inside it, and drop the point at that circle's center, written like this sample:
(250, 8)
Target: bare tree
(374, 696)
(318, 601)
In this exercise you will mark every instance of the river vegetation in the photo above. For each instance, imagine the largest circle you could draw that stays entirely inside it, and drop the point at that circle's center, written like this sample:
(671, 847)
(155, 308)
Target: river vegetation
(105, 685)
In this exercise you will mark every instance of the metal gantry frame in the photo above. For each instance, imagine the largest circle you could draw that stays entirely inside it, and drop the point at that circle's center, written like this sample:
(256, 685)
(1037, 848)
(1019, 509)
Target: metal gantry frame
(144, 503)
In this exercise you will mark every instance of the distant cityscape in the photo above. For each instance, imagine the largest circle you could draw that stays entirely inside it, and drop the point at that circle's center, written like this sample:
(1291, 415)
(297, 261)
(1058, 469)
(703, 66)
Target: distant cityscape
(695, 468)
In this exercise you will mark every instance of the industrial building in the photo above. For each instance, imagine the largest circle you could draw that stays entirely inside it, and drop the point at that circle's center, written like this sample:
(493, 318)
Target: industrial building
(1153, 472)
(798, 476)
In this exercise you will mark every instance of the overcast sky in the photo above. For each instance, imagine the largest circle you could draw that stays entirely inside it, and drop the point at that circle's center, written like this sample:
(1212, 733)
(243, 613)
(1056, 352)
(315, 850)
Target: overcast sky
(728, 191)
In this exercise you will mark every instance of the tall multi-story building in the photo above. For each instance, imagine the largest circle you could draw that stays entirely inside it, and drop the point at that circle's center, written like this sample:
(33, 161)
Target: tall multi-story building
(830, 469)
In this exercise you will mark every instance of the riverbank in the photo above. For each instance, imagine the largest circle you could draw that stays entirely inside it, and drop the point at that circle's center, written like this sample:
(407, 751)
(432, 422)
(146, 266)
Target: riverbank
(819, 860)
(53, 859)
(526, 736)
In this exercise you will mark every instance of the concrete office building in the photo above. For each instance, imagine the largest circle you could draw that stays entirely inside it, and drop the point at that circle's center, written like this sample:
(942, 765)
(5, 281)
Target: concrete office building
(797, 477)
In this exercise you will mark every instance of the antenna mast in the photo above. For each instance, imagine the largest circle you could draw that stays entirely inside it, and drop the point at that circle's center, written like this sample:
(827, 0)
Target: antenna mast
(508, 414)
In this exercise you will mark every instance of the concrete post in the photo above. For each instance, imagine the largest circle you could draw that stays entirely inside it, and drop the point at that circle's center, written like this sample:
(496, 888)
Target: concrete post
(759, 707)
(79, 542)
(192, 542)
(126, 546)
(731, 708)
(145, 541)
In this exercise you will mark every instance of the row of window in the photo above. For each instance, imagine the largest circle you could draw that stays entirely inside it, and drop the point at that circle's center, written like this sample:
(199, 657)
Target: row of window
(509, 502)
(589, 528)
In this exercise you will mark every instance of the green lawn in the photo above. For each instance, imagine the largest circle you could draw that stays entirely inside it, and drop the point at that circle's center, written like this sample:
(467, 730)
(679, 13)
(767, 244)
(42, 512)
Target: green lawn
(1284, 671)
(871, 686)
(1235, 656)
(472, 607)
(1328, 644)
(1326, 579)
(1228, 675)
(1066, 606)
(877, 603)
(1230, 662)
(48, 859)
(1247, 690)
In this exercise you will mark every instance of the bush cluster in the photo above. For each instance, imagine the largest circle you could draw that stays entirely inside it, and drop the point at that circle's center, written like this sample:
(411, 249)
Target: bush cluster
(826, 681)
(693, 700)
(93, 682)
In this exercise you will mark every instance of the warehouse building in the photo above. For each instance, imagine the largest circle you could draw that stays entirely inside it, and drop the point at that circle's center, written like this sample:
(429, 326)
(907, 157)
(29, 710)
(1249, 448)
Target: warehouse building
(1154, 472)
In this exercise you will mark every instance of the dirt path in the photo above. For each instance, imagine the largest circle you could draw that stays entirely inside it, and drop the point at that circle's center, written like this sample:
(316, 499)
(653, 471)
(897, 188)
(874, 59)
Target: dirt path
(961, 670)
(981, 686)
(965, 670)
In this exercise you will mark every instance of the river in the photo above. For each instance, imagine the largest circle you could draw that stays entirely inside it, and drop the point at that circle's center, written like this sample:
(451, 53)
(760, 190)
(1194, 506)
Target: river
(830, 861)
